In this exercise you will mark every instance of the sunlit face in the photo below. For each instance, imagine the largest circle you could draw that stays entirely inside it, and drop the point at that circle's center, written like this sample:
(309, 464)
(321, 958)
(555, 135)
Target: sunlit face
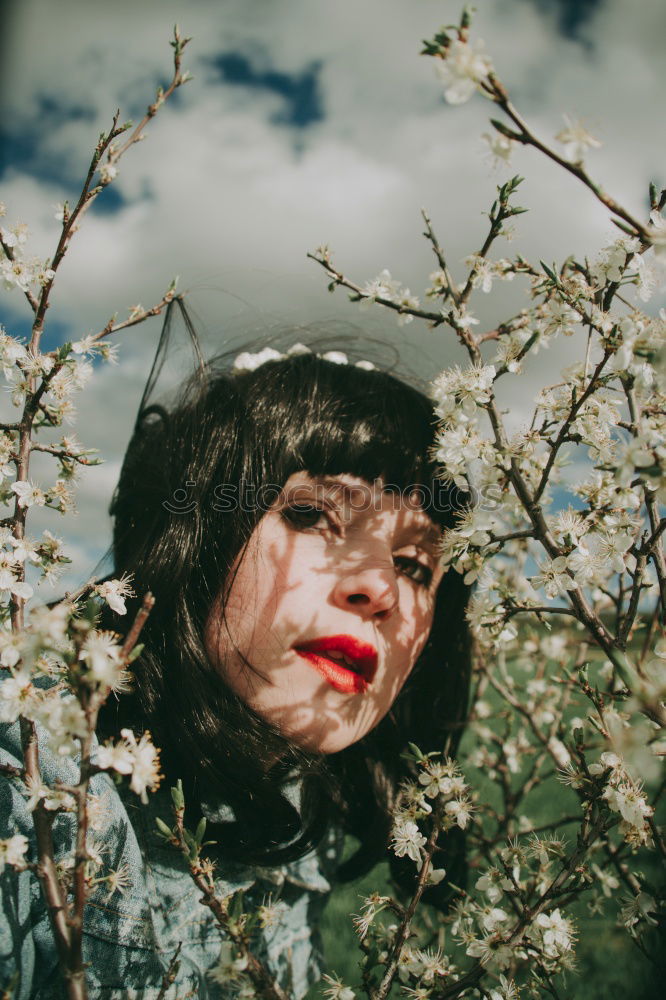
(338, 559)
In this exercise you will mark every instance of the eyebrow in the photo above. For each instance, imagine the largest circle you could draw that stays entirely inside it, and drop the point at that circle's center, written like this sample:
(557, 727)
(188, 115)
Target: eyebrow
(430, 535)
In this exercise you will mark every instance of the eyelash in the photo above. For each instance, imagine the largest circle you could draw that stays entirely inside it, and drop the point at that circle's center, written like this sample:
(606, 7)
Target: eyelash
(293, 515)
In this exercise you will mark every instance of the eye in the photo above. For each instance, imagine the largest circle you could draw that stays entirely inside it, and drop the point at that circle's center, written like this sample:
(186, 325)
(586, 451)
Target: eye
(305, 515)
(415, 570)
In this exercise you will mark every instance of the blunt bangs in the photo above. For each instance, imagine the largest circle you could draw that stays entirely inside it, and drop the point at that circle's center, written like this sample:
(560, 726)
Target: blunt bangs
(311, 414)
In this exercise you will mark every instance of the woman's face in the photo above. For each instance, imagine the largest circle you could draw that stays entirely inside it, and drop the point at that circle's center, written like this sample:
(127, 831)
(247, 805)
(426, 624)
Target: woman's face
(331, 605)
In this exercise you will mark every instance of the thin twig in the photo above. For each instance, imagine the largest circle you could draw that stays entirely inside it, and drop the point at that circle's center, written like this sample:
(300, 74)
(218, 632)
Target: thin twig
(564, 430)
(138, 317)
(169, 977)
(439, 254)
(138, 623)
(436, 319)
(404, 927)
(527, 137)
(257, 972)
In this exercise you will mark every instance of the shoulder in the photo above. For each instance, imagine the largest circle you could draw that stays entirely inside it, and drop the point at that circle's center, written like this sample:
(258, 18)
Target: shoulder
(143, 903)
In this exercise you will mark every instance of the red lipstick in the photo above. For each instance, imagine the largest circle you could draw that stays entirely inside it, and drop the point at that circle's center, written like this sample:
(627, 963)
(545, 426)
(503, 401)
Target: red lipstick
(352, 669)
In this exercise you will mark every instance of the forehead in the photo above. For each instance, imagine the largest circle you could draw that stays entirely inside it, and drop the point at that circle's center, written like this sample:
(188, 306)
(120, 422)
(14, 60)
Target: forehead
(353, 494)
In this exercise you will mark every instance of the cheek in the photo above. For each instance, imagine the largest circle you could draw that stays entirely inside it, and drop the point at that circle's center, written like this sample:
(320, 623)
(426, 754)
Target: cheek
(418, 607)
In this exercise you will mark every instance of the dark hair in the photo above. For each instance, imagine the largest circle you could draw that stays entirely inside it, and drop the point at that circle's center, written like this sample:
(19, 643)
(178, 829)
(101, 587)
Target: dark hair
(299, 413)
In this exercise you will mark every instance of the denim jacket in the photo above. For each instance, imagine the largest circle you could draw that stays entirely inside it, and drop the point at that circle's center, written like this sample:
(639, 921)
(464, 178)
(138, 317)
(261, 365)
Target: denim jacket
(130, 937)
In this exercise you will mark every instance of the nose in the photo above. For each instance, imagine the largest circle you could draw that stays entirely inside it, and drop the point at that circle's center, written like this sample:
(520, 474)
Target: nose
(373, 589)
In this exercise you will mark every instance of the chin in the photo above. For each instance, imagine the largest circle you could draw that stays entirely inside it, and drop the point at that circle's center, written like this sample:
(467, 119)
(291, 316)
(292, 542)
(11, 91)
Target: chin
(326, 743)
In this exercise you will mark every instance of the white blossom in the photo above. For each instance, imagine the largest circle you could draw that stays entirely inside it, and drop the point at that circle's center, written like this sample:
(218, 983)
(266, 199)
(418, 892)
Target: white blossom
(491, 951)
(560, 317)
(381, 287)
(11, 644)
(576, 139)
(230, 965)
(460, 810)
(336, 989)
(608, 882)
(108, 172)
(658, 232)
(439, 779)
(494, 883)
(29, 495)
(18, 696)
(114, 593)
(13, 851)
(468, 388)
(139, 759)
(10, 567)
(462, 69)
(641, 907)
(64, 719)
(611, 264)
(104, 659)
(387, 288)
(407, 840)
(506, 989)
(499, 146)
(629, 801)
(554, 932)
(492, 918)
(52, 799)
(554, 577)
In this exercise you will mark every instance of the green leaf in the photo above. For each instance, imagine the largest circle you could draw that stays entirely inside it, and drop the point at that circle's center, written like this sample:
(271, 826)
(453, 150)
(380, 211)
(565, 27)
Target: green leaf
(91, 610)
(236, 905)
(624, 227)
(550, 272)
(466, 17)
(163, 828)
(200, 831)
(177, 796)
(417, 754)
(504, 129)
(136, 652)
(64, 350)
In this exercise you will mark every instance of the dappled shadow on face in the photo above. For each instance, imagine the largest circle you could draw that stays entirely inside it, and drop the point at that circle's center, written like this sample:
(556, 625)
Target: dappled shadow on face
(317, 566)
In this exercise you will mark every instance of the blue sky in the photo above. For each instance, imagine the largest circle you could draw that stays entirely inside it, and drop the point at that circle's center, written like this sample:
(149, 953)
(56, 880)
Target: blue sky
(306, 122)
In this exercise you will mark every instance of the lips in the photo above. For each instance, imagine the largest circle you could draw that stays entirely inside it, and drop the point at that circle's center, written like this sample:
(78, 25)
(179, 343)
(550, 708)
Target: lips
(351, 668)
